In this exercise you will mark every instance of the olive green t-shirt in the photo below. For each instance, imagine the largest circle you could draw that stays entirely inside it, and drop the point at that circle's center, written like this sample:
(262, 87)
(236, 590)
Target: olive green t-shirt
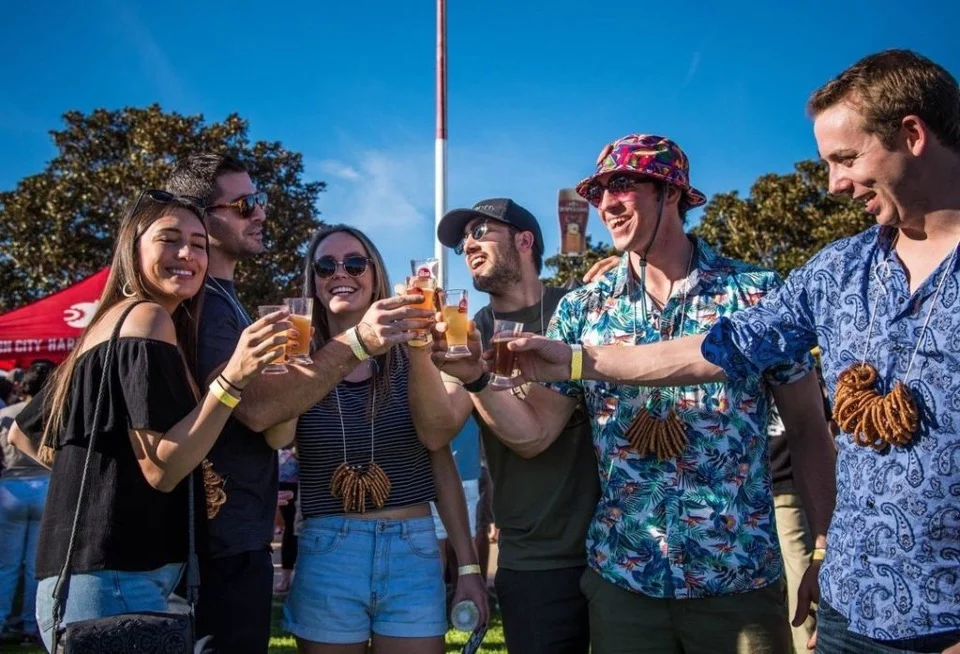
(542, 505)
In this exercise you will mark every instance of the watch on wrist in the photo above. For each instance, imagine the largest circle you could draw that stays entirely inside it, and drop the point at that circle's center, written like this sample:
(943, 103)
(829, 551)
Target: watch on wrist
(478, 384)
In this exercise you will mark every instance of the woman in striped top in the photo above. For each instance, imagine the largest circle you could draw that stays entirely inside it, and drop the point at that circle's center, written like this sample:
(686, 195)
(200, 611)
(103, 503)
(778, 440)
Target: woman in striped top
(368, 563)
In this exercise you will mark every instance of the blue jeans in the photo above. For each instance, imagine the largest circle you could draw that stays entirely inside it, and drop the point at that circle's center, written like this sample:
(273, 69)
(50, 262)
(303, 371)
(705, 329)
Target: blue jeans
(360, 577)
(103, 593)
(21, 506)
(835, 637)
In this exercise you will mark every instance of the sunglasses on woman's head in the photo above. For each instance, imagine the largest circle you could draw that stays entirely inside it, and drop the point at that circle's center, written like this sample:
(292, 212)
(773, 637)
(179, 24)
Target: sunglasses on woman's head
(617, 184)
(478, 231)
(354, 265)
(245, 205)
(163, 197)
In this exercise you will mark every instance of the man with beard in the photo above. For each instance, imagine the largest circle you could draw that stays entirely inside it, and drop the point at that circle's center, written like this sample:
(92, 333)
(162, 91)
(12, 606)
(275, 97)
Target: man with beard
(542, 504)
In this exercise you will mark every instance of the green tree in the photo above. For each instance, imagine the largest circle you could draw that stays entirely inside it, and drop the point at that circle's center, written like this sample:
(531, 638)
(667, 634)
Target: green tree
(570, 268)
(59, 224)
(786, 219)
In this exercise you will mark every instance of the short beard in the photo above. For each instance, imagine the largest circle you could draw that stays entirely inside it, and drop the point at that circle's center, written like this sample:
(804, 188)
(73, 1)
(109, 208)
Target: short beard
(505, 273)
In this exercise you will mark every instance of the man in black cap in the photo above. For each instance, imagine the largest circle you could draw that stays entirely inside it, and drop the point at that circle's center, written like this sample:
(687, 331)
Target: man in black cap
(542, 504)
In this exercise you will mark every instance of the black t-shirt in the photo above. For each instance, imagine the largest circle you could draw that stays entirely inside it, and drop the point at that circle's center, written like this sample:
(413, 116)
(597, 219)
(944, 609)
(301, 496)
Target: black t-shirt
(241, 456)
(126, 524)
(542, 505)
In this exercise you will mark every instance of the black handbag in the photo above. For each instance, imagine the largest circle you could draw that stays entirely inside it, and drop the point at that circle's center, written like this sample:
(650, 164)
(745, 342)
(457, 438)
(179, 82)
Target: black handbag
(127, 633)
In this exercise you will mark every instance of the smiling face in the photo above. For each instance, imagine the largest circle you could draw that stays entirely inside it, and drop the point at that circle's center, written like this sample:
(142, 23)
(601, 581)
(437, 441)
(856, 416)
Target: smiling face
(172, 255)
(630, 215)
(231, 234)
(494, 260)
(862, 168)
(342, 293)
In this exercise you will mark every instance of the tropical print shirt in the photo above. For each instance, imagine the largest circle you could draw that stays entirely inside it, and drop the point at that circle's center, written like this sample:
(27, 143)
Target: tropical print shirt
(893, 549)
(702, 524)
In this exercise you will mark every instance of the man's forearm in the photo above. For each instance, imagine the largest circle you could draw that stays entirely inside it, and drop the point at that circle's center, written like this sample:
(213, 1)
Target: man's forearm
(527, 426)
(670, 363)
(272, 399)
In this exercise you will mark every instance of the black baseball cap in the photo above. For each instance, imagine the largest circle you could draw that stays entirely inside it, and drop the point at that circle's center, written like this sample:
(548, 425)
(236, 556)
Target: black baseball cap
(504, 210)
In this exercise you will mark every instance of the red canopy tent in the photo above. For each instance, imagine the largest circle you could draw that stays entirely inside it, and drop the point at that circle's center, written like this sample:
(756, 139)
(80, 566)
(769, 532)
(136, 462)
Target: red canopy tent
(48, 328)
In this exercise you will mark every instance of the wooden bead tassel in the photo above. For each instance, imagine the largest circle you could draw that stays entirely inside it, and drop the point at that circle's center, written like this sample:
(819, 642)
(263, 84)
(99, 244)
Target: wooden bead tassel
(666, 438)
(355, 484)
(874, 420)
(214, 494)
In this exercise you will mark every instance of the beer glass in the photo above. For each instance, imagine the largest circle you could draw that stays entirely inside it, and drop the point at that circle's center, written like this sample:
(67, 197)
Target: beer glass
(425, 287)
(458, 323)
(504, 331)
(301, 315)
(276, 366)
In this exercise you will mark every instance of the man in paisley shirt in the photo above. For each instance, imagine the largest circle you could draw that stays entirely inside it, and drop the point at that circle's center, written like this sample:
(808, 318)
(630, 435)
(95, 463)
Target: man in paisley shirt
(889, 129)
(682, 548)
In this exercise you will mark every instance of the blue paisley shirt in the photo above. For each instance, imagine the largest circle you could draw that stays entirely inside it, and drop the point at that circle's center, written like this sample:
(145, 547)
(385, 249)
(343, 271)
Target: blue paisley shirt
(700, 525)
(893, 549)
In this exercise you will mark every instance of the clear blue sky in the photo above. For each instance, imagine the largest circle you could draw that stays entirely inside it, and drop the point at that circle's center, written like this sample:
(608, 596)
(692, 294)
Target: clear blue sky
(536, 88)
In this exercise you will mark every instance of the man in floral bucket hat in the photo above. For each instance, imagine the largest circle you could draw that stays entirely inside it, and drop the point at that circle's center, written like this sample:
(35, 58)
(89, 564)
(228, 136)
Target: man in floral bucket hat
(682, 549)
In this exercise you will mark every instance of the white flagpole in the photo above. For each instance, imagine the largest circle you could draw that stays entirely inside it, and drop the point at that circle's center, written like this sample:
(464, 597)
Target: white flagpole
(440, 152)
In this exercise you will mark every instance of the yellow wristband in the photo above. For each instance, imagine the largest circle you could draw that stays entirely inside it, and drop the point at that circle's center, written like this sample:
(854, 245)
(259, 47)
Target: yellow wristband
(819, 554)
(353, 339)
(218, 391)
(576, 362)
(471, 569)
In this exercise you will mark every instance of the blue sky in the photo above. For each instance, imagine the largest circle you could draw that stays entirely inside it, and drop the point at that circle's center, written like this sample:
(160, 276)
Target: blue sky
(536, 88)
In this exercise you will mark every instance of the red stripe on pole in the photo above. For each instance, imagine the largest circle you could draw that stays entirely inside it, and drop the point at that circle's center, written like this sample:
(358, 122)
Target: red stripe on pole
(441, 69)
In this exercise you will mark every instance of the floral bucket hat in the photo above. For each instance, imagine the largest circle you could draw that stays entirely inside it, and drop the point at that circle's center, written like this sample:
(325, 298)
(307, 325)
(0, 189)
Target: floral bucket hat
(646, 155)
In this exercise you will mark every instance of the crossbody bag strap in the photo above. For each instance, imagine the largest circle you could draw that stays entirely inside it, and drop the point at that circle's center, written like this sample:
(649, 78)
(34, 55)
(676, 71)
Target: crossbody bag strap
(62, 588)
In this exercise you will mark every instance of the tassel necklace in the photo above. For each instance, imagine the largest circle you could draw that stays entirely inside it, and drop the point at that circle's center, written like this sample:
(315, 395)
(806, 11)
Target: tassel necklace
(665, 437)
(354, 484)
(875, 420)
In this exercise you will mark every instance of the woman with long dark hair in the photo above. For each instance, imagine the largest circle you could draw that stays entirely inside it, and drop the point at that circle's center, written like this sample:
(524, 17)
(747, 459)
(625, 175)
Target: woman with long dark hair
(369, 564)
(155, 424)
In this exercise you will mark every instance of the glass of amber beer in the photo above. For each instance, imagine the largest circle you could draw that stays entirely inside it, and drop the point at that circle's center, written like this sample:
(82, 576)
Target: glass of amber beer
(504, 331)
(301, 315)
(424, 286)
(458, 323)
(276, 366)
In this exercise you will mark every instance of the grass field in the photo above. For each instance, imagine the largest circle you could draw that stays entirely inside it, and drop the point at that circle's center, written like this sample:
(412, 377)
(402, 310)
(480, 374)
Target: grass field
(281, 643)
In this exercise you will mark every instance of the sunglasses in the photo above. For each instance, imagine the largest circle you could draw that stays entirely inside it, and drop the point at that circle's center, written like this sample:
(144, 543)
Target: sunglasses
(617, 185)
(245, 205)
(163, 197)
(354, 265)
(478, 231)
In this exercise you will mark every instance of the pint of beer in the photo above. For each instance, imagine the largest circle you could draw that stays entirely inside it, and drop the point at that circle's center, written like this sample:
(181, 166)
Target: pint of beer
(301, 315)
(425, 286)
(275, 367)
(458, 323)
(504, 331)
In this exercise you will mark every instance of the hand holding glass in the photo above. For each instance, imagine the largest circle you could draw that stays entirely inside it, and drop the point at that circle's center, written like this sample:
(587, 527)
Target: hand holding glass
(276, 366)
(425, 287)
(301, 315)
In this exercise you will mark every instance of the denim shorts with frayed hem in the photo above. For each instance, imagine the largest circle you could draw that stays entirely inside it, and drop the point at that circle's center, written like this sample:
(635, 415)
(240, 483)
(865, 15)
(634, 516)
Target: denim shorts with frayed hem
(359, 577)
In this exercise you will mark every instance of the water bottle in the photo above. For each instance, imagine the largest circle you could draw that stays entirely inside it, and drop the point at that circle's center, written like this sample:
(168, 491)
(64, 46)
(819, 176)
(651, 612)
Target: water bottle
(465, 616)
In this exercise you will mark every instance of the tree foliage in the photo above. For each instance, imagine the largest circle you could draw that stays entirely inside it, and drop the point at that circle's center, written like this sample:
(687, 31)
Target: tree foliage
(571, 269)
(786, 219)
(59, 224)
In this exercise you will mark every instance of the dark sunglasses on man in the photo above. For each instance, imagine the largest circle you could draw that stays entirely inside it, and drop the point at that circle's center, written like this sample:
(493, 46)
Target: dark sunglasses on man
(245, 205)
(354, 265)
(478, 231)
(616, 184)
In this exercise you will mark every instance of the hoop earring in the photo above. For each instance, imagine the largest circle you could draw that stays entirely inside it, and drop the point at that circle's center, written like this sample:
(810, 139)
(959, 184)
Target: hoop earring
(126, 291)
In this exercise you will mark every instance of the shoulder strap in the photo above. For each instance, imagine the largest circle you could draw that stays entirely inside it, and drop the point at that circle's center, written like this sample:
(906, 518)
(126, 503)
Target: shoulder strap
(62, 588)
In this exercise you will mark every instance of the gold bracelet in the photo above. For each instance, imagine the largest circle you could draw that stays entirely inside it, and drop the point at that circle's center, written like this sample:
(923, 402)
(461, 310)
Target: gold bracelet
(356, 345)
(819, 554)
(576, 362)
(219, 392)
(471, 569)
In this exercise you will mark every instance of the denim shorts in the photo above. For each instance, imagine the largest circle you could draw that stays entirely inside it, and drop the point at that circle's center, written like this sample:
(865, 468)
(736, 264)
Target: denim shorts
(355, 577)
(103, 593)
